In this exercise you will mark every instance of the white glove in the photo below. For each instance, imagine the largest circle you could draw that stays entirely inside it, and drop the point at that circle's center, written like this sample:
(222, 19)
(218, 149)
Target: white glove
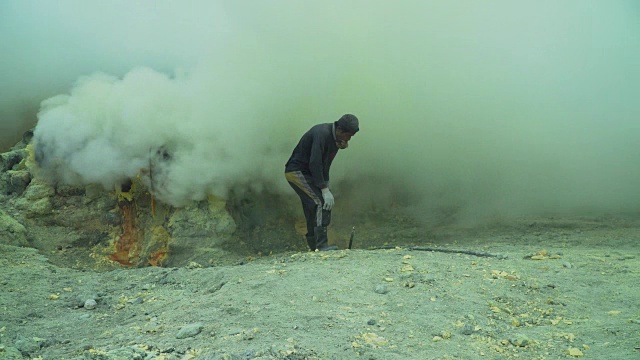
(328, 199)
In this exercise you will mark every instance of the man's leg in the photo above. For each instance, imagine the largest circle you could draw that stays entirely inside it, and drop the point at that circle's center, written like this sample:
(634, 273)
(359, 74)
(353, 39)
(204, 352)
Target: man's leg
(323, 221)
(309, 209)
(311, 204)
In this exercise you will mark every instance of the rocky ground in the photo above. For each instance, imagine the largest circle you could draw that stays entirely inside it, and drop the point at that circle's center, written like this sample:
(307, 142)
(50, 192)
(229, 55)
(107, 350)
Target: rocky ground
(557, 288)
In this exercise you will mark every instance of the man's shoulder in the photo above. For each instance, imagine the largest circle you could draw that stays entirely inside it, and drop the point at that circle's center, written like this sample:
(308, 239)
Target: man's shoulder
(320, 129)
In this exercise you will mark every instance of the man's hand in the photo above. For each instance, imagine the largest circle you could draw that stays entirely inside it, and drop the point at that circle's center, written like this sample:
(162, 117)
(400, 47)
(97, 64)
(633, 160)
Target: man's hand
(328, 199)
(342, 144)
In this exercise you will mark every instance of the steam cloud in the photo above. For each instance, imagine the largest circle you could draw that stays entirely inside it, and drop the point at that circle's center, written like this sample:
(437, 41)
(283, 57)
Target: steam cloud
(180, 133)
(493, 108)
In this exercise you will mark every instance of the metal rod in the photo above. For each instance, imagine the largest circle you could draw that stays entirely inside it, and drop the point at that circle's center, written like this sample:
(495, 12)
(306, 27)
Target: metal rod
(353, 232)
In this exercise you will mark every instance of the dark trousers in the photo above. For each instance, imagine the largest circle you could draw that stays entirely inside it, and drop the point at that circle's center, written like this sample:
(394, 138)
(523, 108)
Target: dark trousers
(311, 196)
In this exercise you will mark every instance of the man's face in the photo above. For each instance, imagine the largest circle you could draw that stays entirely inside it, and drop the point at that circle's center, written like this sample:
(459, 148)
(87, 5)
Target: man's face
(342, 138)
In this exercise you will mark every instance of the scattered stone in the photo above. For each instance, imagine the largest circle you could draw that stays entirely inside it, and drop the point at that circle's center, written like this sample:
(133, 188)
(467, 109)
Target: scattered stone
(28, 345)
(409, 284)
(467, 329)
(374, 339)
(190, 330)
(90, 304)
(382, 289)
(131, 352)
(575, 352)
(446, 334)
(80, 300)
(137, 300)
(168, 350)
(567, 264)
(543, 255)
(519, 340)
(194, 265)
(371, 322)
(249, 334)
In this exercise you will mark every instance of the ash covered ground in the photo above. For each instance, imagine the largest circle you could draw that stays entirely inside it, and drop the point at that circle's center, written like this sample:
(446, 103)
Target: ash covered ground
(557, 288)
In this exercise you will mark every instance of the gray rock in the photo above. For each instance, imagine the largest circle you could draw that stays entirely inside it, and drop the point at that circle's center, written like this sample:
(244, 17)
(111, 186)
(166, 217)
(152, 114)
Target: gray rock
(28, 345)
(190, 330)
(382, 289)
(81, 299)
(90, 304)
(467, 329)
(519, 340)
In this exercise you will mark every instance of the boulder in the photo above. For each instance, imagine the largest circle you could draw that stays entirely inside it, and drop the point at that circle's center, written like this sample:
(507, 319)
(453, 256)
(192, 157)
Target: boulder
(11, 231)
(36, 199)
(10, 159)
(202, 220)
(17, 181)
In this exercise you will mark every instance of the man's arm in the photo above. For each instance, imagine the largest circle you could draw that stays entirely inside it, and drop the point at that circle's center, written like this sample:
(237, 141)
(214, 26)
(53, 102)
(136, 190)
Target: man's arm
(315, 162)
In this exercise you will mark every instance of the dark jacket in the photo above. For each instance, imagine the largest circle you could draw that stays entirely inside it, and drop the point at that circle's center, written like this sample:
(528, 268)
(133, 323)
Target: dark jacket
(314, 153)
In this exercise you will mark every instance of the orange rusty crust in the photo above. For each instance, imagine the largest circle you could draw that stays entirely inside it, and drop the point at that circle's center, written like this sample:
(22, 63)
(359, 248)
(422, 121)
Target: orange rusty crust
(126, 245)
(158, 257)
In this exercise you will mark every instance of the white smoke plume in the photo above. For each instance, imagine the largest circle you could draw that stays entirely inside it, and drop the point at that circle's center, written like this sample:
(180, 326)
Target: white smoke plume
(185, 136)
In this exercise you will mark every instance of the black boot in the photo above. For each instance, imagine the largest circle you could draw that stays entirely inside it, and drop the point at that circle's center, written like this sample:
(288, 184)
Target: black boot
(311, 241)
(322, 241)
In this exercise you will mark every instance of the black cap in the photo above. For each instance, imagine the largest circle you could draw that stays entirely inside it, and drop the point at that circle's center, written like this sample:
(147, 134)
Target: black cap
(349, 123)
